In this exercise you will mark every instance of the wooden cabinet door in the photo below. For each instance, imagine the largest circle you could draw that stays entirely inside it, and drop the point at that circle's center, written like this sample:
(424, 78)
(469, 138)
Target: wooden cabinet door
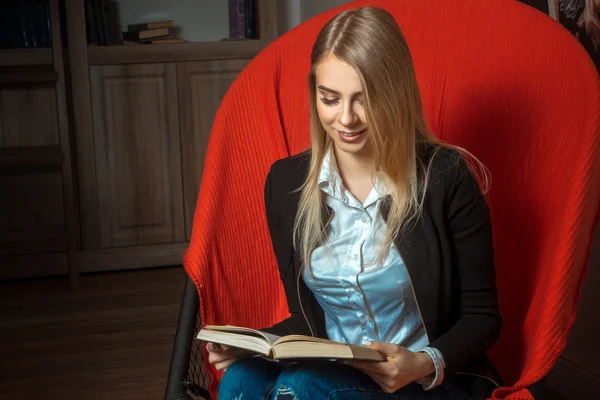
(32, 215)
(136, 186)
(202, 85)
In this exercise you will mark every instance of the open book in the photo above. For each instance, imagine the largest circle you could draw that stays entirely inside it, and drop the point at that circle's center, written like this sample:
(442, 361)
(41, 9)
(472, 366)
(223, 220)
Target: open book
(290, 346)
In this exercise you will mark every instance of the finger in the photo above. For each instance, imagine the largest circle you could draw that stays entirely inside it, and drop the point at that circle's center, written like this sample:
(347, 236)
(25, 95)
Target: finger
(215, 347)
(235, 351)
(220, 356)
(222, 366)
(385, 348)
(215, 358)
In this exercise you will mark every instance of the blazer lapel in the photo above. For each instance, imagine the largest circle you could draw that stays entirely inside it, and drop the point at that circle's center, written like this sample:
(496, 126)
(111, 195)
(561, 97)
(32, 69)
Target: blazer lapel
(418, 260)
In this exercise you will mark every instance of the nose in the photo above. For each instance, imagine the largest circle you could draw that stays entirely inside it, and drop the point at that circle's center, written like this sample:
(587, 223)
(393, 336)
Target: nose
(347, 117)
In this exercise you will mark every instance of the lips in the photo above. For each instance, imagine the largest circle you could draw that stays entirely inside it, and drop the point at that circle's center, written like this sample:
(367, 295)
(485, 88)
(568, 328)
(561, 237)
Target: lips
(350, 134)
(350, 137)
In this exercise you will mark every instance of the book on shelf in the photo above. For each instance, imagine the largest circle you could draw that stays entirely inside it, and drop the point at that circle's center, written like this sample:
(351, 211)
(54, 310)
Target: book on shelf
(113, 26)
(250, 25)
(148, 34)
(25, 24)
(155, 41)
(242, 21)
(150, 25)
(286, 347)
(153, 32)
(102, 22)
(167, 41)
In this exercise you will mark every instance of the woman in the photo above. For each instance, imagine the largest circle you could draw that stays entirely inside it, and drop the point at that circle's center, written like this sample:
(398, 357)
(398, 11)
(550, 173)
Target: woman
(381, 234)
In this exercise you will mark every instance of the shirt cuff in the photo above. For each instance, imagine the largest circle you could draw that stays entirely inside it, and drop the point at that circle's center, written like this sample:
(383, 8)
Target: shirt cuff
(436, 378)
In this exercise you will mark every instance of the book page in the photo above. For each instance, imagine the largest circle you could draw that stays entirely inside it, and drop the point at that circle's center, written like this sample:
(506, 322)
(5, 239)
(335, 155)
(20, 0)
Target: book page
(303, 338)
(298, 349)
(270, 338)
(254, 343)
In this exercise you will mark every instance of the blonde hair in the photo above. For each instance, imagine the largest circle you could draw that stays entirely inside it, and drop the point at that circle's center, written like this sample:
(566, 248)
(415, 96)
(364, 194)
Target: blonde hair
(369, 40)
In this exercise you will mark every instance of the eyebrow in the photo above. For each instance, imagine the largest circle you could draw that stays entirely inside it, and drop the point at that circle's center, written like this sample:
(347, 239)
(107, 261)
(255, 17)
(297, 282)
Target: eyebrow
(326, 89)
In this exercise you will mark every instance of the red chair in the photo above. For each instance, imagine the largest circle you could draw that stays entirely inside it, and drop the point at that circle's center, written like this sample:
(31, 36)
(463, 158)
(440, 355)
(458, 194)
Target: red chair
(498, 78)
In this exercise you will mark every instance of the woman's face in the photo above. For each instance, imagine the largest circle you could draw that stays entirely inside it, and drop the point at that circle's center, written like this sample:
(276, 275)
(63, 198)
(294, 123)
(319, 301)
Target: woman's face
(340, 105)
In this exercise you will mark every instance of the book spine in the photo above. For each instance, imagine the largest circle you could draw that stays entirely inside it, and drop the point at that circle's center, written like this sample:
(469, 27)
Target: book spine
(9, 18)
(63, 25)
(113, 29)
(131, 36)
(37, 26)
(250, 19)
(33, 26)
(100, 23)
(6, 25)
(91, 26)
(4, 42)
(26, 30)
(16, 33)
(237, 19)
(45, 19)
(148, 35)
(36, 15)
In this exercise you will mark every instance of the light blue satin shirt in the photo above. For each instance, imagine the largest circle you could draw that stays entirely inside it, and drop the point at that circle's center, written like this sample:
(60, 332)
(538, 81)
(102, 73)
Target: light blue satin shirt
(363, 302)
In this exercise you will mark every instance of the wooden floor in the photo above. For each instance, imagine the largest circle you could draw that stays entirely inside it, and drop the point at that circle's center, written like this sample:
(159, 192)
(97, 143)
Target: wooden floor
(110, 340)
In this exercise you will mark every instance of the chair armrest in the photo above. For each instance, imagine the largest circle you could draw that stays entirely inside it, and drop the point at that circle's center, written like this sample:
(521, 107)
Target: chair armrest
(177, 382)
(538, 389)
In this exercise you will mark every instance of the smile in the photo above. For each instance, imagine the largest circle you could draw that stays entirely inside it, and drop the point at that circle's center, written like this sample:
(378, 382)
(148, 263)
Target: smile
(350, 134)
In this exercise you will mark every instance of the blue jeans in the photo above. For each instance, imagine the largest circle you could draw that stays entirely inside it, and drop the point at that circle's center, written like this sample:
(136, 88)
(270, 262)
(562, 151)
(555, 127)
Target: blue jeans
(256, 378)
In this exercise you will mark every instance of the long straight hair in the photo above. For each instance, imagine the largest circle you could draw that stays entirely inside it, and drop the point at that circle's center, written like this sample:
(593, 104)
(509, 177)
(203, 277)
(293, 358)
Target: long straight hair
(370, 40)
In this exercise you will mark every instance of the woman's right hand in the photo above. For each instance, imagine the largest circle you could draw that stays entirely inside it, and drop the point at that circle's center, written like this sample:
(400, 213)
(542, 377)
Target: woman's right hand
(222, 356)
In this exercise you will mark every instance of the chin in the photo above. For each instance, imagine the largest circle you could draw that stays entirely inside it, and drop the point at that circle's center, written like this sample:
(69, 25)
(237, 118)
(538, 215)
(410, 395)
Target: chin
(353, 148)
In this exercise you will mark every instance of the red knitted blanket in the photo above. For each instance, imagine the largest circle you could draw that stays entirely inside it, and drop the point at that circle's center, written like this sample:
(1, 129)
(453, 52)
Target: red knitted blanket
(498, 78)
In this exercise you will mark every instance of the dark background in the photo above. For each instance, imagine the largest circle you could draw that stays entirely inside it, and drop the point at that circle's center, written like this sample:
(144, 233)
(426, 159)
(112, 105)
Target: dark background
(571, 25)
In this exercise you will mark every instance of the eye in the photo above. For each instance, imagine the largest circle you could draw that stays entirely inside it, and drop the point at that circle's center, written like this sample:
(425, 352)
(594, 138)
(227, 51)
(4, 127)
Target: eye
(329, 102)
(361, 102)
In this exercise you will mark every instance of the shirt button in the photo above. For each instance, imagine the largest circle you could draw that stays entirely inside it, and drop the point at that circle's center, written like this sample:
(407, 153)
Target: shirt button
(364, 219)
(355, 256)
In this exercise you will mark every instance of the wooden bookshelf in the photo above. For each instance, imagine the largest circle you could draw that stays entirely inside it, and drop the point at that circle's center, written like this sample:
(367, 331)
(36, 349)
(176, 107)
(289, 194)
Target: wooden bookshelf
(27, 74)
(35, 157)
(193, 51)
(134, 120)
(52, 235)
(138, 120)
(18, 57)
(29, 156)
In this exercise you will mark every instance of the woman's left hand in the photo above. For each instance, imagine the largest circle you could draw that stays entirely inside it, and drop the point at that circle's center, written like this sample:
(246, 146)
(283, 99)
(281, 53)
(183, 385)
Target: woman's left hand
(401, 368)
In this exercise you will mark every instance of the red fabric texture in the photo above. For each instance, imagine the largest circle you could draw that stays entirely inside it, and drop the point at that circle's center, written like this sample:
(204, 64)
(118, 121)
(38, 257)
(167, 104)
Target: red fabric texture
(497, 77)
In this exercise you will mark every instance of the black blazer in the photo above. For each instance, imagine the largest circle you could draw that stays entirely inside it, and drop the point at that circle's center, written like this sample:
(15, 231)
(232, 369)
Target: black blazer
(448, 253)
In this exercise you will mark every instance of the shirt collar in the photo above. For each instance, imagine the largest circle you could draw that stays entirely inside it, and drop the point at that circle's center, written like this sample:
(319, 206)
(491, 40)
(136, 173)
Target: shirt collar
(331, 183)
(330, 180)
